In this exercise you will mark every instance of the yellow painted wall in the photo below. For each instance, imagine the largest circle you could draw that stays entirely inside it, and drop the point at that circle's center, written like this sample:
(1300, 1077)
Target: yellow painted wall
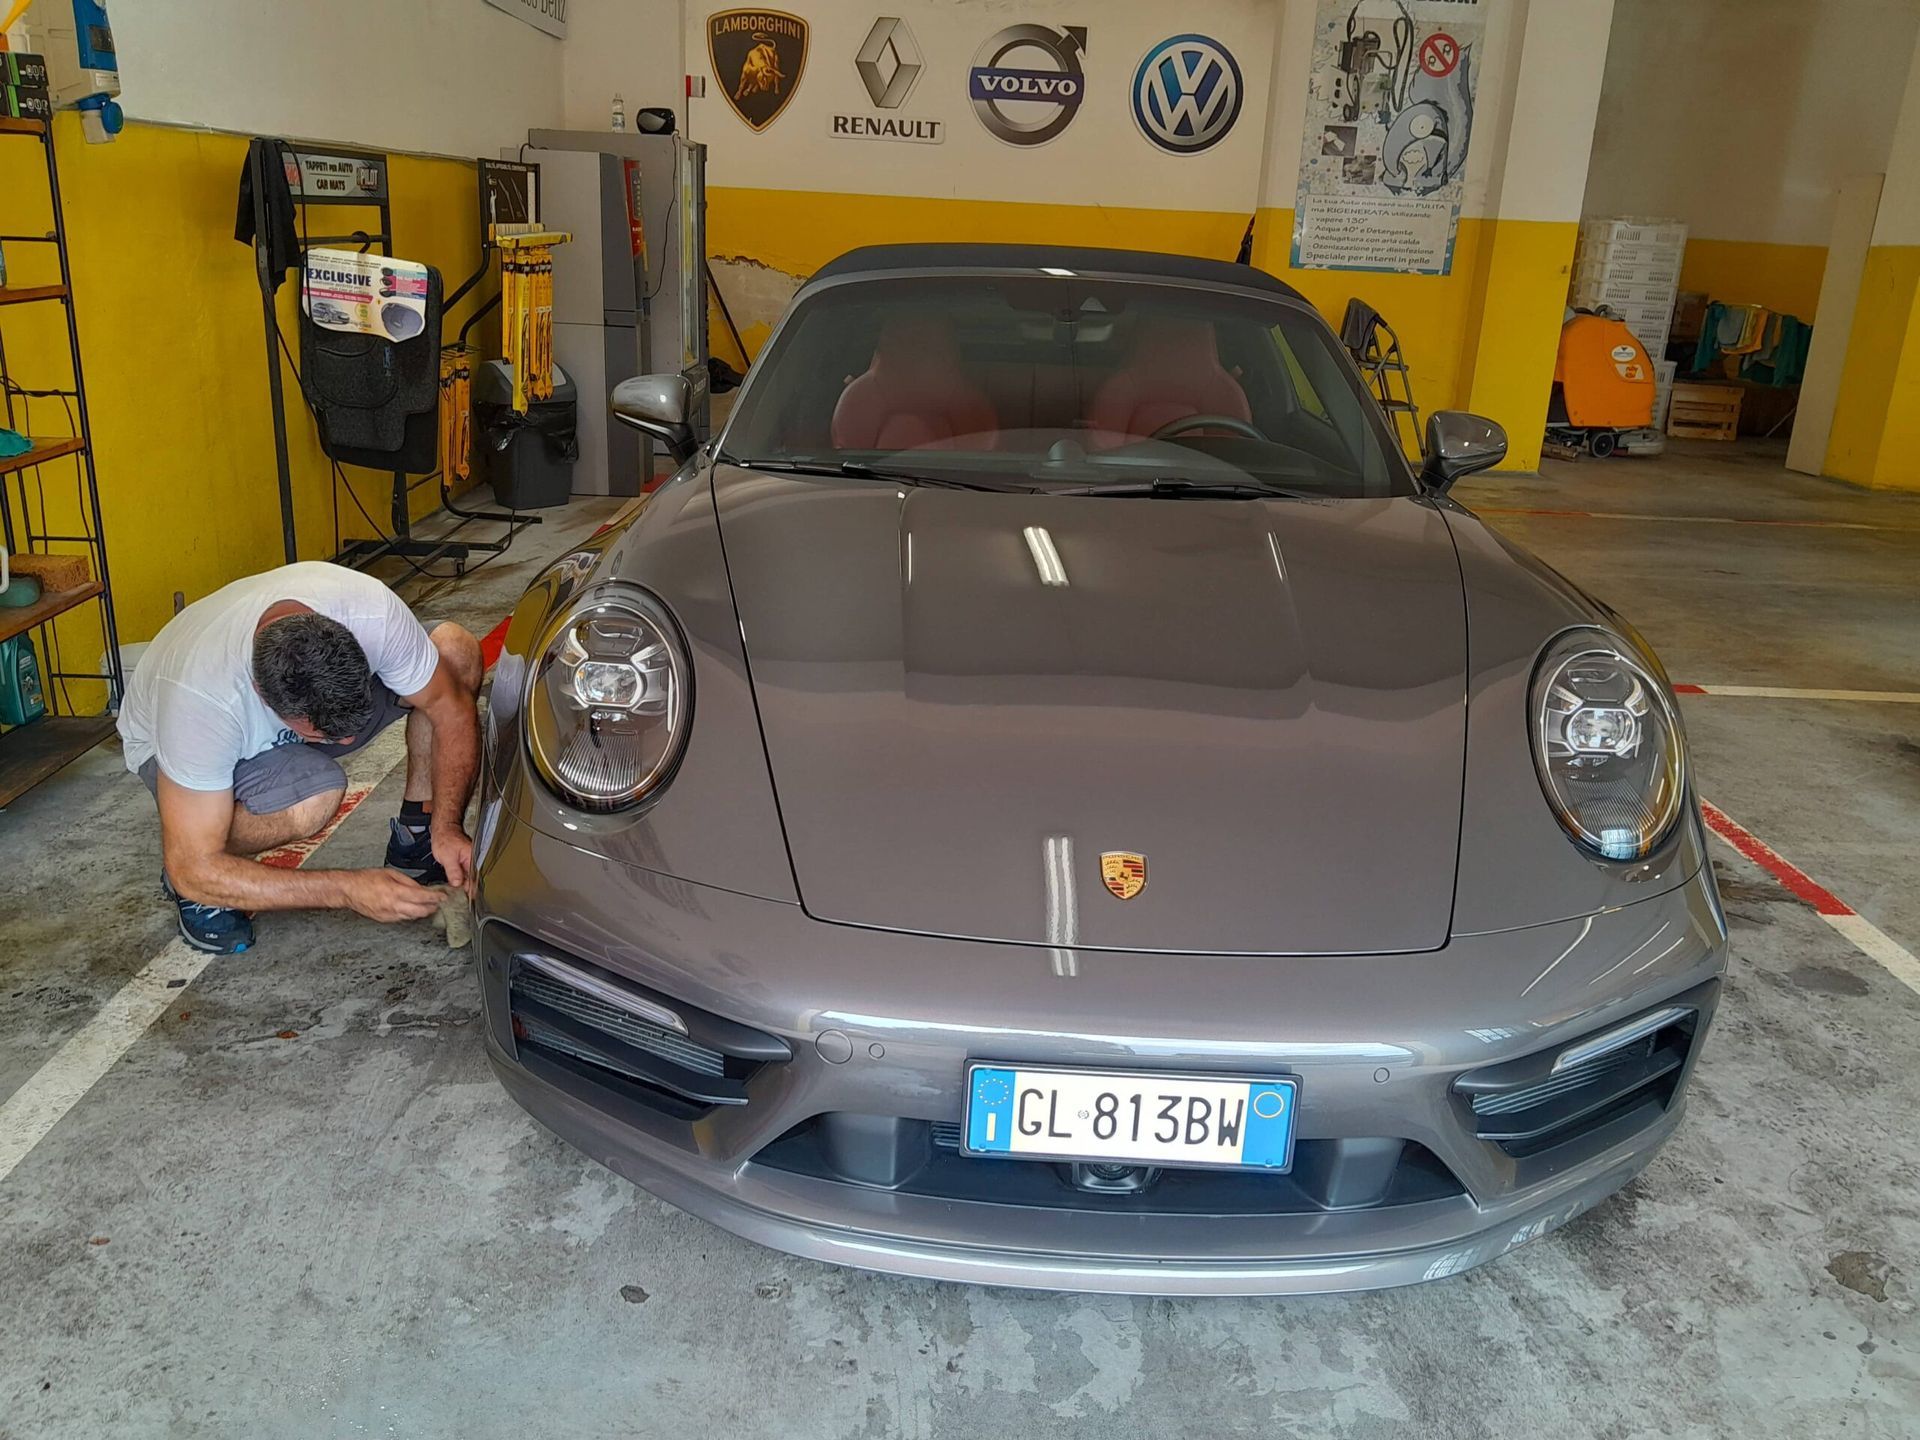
(1519, 301)
(1876, 422)
(173, 344)
(1506, 364)
(1743, 272)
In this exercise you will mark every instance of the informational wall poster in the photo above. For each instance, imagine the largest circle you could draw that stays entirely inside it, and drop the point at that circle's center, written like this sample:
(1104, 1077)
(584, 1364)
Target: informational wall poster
(365, 294)
(1389, 124)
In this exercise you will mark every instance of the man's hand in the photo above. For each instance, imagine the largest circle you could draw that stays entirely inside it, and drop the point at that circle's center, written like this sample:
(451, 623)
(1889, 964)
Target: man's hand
(454, 851)
(387, 896)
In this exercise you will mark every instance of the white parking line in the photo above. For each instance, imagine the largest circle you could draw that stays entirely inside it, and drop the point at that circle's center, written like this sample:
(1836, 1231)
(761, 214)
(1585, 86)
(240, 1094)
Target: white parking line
(76, 1067)
(1776, 692)
(1865, 936)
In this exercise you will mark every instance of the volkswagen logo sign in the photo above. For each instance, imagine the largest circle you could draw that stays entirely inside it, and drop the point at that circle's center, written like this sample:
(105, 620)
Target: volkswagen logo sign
(1187, 94)
(1026, 83)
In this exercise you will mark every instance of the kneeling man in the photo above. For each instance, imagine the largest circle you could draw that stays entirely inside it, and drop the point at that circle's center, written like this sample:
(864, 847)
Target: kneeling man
(233, 717)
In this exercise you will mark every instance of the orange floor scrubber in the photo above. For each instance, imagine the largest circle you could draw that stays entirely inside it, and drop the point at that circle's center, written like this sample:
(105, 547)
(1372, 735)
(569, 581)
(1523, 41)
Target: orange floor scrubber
(1603, 384)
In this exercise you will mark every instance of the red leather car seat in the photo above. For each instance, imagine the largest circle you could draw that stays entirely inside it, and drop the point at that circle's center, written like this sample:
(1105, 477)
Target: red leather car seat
(914, 393)
(1175, 372)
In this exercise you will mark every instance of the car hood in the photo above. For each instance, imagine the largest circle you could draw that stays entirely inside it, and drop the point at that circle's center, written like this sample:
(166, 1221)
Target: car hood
(969, 698)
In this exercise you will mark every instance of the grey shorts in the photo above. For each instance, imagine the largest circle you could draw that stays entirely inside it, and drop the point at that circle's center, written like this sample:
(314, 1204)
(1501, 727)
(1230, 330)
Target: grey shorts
(282, 777)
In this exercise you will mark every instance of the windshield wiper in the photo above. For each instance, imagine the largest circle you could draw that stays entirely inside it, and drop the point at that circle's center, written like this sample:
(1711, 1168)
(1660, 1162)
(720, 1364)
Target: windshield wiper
(1163, 488)
(858, 471)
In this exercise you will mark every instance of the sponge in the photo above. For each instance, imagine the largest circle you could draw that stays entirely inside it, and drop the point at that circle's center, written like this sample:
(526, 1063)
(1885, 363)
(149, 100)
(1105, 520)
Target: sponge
(455, 917)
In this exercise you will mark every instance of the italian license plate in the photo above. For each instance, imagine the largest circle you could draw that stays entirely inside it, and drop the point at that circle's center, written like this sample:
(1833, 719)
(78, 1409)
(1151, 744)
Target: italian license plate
(1118, 1117)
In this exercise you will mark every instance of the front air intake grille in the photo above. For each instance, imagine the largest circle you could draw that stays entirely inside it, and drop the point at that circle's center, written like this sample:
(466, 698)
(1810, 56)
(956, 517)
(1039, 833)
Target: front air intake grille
(642, 1034)
(1525, 1108)
(592, 1025)
(1566, 1082)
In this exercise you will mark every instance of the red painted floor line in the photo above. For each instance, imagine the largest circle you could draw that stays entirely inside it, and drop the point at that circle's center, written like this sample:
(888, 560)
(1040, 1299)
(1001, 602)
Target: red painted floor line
(291, 857)
(1689, 689)
(493, 642)
(1770, 860)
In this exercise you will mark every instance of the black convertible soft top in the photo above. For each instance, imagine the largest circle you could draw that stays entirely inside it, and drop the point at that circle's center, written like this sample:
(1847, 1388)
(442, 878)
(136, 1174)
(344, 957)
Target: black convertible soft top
(869, 259)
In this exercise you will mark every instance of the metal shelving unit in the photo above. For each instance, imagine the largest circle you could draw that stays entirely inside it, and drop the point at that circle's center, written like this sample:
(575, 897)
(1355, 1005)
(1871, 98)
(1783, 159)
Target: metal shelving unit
(32, 752)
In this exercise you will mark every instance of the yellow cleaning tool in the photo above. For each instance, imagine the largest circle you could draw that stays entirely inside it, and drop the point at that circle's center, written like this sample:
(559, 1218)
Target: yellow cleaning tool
(526, 312)
(456, 414)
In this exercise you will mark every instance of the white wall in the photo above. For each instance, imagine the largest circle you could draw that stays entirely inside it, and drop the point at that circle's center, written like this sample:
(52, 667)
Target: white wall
(452, 77)
(1100, 158)
(1740, 117)
(632, 47)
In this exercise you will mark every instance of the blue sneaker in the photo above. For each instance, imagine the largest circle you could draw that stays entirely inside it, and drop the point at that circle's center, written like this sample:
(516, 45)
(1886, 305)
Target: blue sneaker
(209, 928)
(410, 851)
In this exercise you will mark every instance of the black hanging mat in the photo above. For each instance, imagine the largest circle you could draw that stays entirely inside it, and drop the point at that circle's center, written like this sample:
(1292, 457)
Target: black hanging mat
(377, 401)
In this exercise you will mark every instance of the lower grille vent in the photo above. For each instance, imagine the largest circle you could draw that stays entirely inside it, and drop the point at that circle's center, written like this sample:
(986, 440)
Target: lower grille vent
(595, 1025)
(631, 1029)
(1525, 1108)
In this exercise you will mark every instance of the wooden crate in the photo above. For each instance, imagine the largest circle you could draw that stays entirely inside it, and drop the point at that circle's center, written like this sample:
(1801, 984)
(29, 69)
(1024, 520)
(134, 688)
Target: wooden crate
(1704, 412)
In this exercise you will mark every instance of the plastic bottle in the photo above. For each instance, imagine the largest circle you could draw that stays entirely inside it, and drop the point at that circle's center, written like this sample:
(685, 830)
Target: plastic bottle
(21, 701)
(619, 113)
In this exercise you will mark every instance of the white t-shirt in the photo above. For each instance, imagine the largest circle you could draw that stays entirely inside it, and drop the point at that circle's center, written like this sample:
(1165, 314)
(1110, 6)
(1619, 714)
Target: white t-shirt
(191, 700)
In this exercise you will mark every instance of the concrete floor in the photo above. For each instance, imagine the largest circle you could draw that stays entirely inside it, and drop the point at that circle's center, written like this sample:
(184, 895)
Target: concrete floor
(351, 1231)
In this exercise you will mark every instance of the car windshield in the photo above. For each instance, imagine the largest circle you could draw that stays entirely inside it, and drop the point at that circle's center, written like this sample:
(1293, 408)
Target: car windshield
(1100, 386)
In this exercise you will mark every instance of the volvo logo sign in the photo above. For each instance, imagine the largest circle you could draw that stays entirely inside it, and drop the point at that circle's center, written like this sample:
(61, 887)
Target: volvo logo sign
(1026, 83)
(1187, 94)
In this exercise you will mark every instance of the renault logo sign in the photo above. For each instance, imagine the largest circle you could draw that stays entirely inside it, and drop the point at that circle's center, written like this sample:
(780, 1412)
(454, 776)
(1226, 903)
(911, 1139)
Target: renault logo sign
(1026, 83)
(889, 62)
(1187, 94)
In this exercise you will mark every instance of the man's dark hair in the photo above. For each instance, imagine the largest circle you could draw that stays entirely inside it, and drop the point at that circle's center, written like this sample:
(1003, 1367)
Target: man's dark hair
(310, 668)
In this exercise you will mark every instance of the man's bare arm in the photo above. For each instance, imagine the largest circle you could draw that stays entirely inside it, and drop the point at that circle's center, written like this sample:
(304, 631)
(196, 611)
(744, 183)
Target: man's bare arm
(194, 826)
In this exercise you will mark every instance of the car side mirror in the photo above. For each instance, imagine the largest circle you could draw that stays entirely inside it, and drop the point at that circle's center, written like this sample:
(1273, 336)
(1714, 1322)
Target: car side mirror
(660, 406)
(1459, 443)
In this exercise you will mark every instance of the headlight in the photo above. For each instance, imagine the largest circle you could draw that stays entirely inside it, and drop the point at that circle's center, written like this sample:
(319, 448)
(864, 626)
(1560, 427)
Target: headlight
(1607, 744)
(608, 701)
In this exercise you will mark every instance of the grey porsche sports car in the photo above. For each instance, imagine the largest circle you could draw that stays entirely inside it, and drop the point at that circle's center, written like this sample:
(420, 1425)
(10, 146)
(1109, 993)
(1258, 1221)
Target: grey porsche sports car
(1050, 796)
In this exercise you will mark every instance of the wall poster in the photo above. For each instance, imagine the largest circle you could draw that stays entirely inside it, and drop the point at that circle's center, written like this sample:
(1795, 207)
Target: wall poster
(1389, 123)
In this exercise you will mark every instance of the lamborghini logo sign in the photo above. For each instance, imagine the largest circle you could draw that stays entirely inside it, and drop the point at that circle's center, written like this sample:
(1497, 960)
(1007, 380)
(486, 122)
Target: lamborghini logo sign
(758, 57)
(1124, 872)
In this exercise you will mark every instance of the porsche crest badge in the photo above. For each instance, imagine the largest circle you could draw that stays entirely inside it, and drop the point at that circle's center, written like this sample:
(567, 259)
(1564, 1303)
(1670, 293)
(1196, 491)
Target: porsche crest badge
(1124, 872)
(758, 57)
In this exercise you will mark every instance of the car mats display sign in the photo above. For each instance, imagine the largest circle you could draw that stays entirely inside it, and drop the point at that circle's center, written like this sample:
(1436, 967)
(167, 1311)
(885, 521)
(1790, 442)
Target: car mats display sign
(758, 57)
(1389, 120)
(365, 294)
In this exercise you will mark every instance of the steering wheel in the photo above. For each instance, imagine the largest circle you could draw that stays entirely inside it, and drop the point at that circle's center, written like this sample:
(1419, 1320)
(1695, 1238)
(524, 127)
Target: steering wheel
(1207, 422)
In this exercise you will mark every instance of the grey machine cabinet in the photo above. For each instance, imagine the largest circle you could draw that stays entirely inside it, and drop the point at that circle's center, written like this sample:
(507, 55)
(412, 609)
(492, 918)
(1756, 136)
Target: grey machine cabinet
(618, 313)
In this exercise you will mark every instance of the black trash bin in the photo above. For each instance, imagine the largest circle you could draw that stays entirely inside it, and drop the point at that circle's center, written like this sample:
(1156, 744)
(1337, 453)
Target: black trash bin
(527, 458)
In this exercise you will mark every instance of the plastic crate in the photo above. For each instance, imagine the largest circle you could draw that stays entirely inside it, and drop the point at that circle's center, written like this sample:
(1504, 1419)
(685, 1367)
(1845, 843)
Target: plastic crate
(1600, 272)
(1623, 257)
(1663, 373)
(1619, 293)
(1634, 230)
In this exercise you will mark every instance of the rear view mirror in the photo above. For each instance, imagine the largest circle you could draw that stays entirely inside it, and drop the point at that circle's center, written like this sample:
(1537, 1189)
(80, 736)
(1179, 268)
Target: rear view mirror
(660, 406)
(1459, 443)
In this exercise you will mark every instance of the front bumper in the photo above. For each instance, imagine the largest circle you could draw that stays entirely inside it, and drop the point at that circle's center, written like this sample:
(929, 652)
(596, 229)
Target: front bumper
(880, 1026)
